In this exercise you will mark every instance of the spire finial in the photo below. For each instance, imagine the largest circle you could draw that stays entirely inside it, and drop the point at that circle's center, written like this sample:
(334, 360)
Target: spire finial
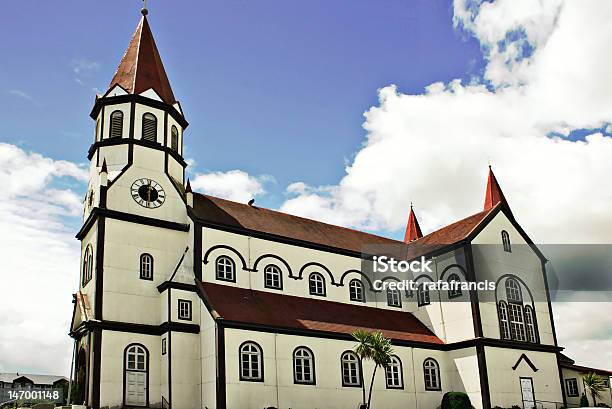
(188, 187)
(144, 10)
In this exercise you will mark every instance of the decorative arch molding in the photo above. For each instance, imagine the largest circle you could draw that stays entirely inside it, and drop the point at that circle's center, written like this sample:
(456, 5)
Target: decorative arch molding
(423, 276)
(229, 248)
(314, 263)
(463, 273)
(506, 276)
(346, 273)
(274, 256)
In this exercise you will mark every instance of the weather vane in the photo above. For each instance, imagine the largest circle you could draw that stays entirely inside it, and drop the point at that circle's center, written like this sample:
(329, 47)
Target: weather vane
(144, 10)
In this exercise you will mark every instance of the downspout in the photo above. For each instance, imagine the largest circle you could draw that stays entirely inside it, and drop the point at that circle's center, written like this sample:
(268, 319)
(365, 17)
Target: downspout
(416, 400)
(169, 316)
(276, 368)
(435, 260)
(72, 365)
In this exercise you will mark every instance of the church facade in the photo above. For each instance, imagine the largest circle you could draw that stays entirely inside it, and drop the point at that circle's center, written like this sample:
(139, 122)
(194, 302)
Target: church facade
(191, 301)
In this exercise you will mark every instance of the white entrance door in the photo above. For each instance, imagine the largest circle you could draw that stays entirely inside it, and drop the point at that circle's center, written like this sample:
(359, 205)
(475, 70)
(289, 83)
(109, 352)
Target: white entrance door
(527, 393)
(135, 388)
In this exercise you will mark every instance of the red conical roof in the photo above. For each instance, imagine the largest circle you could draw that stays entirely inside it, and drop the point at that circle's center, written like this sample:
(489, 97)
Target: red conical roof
(413, 230)
(494, 194)
(141, 67)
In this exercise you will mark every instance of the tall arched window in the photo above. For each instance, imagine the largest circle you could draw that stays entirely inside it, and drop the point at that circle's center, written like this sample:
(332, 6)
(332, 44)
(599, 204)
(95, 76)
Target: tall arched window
(174, 137)
(116, 124)
(251, 362)
(454, 280)
(149, 127)
(316, 284)
(136, 374)
(273, 277)
(225, 269)
(87, 264)
(513, 291)
(356, 291)
(146, 266)
(423, 295)
(393, 374)
(431, 373)
(530, 324)
(351, 369)
(303, 366)
(504, 324)
(506, 241)
(394, 298)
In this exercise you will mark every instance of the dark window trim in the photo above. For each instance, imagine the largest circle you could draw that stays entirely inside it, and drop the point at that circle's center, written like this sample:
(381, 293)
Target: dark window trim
(111, 127)
(439, 375)
(229, 280)
(125, 371)
(567, 389)
(314, 374)
(324, 293)
(142, 277)
(261, 362)
(189, 310)
(421, 289)
(164, 346)
(174, 132)
(454, 293)
(506, 241)
(399, 298)
(280, 271)
(363, 295)
(401, 375)
(87, 265)
(359, 368)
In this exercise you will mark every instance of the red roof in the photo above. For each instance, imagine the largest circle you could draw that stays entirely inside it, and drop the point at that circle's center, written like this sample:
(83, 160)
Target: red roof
(413, 230)
(283, 311)
(226, 213)
(494, 194)
(141, 67)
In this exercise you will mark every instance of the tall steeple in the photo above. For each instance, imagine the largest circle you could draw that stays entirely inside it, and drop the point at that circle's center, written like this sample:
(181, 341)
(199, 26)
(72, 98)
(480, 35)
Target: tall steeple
(413, 230)
(494, 194)
(141, 67)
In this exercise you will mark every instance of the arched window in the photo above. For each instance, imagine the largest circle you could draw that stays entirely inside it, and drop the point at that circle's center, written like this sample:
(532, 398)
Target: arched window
(116, 124)
(351, 369)
(174, 136)
(251, 362)
(146, 266)
(316, 284)
(394, 375)
(423, 295)
(530, 324)
(87, 264)
(303, 366)
(225, 269)
(356, 292)
(513, 291)
(454, 280)
(506, 241)
(149, 127)
(136, 374)
(273, 277)
(394, 298)
(431, 373)
(504, 324)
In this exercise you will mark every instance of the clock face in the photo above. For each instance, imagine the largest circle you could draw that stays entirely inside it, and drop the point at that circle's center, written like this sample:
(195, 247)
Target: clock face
(148, 193)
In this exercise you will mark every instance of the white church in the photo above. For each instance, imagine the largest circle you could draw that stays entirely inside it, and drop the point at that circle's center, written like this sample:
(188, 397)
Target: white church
(191, 301)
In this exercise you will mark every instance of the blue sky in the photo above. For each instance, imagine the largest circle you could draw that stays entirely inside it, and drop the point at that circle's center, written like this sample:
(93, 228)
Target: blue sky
(271, 87)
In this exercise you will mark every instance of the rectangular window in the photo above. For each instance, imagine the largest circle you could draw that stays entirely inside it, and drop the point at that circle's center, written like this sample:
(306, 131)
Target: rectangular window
(184, 309)
(163, 346)
(571, 386)
(517, 326)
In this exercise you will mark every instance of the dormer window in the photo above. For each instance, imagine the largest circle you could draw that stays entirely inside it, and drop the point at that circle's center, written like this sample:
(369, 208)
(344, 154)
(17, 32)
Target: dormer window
(116, 124)
(174, 136)
(149, 127)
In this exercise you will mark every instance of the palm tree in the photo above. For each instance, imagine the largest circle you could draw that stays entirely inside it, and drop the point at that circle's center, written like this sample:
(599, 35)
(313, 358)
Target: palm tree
(594, 384)
(373, 346)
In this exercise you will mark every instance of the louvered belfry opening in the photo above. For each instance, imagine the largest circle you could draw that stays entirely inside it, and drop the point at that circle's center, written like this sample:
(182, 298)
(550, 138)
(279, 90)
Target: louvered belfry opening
(116, 124)
(149, 127)
(174, 138)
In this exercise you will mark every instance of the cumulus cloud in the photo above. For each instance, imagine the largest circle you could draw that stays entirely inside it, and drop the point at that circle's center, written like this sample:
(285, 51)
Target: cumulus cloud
(233, 185)
(40, 260)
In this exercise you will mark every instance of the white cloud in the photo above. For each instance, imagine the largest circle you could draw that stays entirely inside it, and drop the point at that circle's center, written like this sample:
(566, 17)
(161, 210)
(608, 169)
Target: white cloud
(21, 94)
(40, 259)
(83, 66)
(233, 185)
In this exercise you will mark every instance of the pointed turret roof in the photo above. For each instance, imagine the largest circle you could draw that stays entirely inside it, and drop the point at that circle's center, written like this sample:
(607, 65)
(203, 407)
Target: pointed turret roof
(141, 67)
(494, 194)
(413, 230)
